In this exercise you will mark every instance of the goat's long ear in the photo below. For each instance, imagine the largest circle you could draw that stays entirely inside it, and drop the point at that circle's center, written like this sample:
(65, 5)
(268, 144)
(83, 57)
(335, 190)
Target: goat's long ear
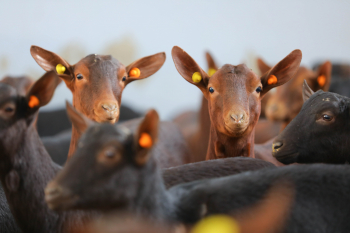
(51, 61)
(212, 66)
(42, 91)
(190, 70)
(282, 72)
(269, 215)
(79, 121)
(323, 79)
(146, 137)
(307, 91)
(144, 67)
(262, 65)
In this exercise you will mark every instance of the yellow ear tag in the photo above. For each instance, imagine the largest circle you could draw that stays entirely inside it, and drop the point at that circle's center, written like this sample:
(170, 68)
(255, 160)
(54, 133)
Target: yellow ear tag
(134, 72)
(211, 71)
(33, 101)
(196, 77)
(145, 140)
(321, 80)
(215, 224)
(60, 69)
(272, 80)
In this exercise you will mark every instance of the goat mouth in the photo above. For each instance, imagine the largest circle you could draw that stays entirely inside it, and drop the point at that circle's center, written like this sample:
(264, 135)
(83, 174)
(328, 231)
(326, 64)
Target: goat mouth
(100, 119)
(286, 157)
(237, 130)
(59, 199)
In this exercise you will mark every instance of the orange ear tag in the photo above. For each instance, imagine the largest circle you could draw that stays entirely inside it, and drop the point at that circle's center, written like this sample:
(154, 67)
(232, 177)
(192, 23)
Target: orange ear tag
(134, 72)
(60, 69)
(211, 71)
(33, 101)
(272, 80)
(321, 80)
(196, 77)
(145, 140)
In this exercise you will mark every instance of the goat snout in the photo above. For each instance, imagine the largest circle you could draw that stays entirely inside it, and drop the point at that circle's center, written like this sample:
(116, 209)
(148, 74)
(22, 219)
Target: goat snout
(55, 195)
(238, 118)
(107, 111)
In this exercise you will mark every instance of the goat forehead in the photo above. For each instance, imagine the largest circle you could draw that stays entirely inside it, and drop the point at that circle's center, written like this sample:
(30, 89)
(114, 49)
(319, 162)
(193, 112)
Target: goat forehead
(323, 100)
(240, 78)
(7, 91)
(106, 131)
(101, 65)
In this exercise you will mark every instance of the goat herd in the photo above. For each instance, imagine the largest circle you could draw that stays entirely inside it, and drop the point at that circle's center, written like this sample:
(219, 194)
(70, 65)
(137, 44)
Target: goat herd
(145, 175)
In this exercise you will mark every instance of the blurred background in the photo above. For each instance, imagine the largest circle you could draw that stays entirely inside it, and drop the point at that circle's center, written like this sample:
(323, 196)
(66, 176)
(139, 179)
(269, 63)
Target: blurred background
(233, 31)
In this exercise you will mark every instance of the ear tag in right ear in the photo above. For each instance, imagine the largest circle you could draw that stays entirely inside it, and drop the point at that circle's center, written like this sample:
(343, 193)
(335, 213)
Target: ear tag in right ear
(321, 80)
(145, 140)
(217, 223)
(272, 80)
(211, 71)
(134, 72)
(60, 69)
(33, 101)
(196, 77)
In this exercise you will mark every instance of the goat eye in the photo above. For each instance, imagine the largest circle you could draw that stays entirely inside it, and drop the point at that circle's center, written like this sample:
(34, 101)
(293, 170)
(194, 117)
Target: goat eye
(211, 90)
(109, 153)
(258, 90)
(327, 117)
(124, 78)
(9, 109)
(79, 76)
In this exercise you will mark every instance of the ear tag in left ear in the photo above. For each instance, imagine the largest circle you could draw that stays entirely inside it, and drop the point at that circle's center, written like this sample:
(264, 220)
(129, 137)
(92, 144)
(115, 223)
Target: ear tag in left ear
(145, 140)
(211, 71)
(272, 80)
(60, 69)
(134, 72)
(321, 80)
(196, 77)
(33, 101)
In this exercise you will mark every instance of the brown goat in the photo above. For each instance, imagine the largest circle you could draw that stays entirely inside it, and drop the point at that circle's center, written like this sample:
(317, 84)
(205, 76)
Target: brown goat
(234, 95)
(97, 82)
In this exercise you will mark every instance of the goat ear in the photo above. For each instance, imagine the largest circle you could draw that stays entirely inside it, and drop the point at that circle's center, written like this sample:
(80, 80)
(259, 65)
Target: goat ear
(145, 67)
(146, 136)
(263, 67)
(79, 121)
(282, 72)
(212, 66)
(323, 79)
(190, 70)
(51, 61)
(262, 218)
(42, 91)
(307, 91)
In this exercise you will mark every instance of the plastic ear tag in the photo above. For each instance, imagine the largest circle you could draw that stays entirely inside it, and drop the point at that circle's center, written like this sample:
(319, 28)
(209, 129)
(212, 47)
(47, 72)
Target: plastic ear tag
(217, 223)
(211, 71)
(272, 80)
(33, 101)
(60, 69)
(321, 80)
(145, 140)
(134, 72)
(196, 77)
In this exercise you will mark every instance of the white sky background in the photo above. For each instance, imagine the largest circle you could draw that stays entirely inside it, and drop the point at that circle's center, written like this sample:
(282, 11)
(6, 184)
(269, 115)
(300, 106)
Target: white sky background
(232, 30)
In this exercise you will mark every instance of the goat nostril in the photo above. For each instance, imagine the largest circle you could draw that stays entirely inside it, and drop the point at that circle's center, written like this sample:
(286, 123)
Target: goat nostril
(276, 146)
(238, 118)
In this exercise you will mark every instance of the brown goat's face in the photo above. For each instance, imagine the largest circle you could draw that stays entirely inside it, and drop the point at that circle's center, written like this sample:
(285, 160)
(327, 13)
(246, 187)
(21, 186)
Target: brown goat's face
(97, 81)
(234, 99)
(234, 92)
(97, 87)
(286, 103)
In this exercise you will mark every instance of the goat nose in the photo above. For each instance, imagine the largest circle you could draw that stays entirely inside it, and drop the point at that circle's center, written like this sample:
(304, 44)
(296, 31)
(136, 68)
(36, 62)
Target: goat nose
(276, 146)
(52, 190)
(109, 107)
(237, 118)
